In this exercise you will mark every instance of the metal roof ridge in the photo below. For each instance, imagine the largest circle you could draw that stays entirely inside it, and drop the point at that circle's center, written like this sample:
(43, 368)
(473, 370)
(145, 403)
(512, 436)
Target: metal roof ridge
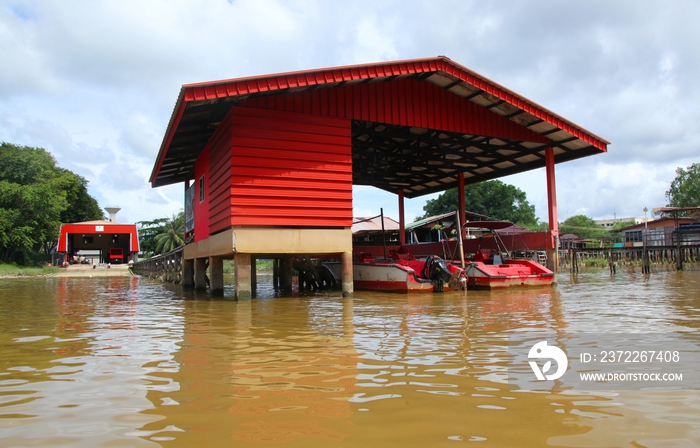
(314, 70)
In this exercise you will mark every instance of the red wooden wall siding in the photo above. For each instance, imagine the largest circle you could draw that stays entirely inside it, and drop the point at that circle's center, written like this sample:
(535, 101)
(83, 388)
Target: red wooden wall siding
(407, 102)
(219, 198)
(201, 210)
(280, 169)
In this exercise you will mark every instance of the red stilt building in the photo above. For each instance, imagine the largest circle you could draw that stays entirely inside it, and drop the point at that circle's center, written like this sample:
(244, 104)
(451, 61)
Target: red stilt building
(268, 162)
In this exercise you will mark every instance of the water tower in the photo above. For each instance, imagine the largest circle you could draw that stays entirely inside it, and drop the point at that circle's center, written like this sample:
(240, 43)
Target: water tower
(112, 210)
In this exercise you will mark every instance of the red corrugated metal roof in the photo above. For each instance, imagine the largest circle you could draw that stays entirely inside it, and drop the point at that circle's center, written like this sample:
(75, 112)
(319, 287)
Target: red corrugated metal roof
(200, 107)
(280, 81)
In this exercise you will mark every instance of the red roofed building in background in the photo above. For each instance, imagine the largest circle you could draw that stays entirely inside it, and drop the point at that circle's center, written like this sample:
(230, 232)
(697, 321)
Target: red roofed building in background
(99, 241)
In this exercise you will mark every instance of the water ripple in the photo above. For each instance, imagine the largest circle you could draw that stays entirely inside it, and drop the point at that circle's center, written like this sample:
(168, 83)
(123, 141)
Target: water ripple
(132, 362)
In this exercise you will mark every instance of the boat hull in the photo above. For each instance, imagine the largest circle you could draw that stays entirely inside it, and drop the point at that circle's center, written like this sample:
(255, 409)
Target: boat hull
(401, 276)
(511, 273)
(386, 277)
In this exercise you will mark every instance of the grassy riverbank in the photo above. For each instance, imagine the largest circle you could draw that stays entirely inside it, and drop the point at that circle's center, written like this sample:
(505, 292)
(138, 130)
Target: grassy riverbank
(12, 270)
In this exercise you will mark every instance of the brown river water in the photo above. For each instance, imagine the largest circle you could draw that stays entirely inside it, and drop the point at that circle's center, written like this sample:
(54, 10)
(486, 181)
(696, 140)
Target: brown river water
(125, 361)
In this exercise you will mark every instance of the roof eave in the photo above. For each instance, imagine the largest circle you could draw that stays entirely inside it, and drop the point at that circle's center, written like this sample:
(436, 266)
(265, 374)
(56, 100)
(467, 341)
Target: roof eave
(175, 117)
(238, 87)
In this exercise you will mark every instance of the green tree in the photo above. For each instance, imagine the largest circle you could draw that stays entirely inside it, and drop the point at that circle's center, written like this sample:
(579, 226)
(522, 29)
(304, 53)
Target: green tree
(29, 216)
(539, 226)
(492, 198)
(622, 224)
(148, 230)
(583, 227)
(685, 188)
(172, 235)
(36, 196)
(81, 206)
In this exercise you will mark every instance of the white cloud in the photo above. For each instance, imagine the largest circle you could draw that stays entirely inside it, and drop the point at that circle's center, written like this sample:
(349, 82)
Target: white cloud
(95, 83)
(23, 67)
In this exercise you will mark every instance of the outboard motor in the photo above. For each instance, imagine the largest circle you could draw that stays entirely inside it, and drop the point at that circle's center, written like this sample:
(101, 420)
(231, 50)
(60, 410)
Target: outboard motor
(436, 270)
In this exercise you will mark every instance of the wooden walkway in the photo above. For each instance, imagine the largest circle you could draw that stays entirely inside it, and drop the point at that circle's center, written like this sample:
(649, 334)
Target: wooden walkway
(166, 267)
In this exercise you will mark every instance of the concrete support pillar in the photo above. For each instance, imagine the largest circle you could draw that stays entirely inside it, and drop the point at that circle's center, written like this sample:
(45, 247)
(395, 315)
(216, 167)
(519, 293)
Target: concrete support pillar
(347, 283)
(200, 274)
(286, 274)
(552, 250)
(188, 273)
(216, 275)
(242, 274)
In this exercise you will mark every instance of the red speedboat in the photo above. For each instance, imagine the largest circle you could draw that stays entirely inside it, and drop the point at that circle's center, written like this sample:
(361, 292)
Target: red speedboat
(488, 270)
(404, 273)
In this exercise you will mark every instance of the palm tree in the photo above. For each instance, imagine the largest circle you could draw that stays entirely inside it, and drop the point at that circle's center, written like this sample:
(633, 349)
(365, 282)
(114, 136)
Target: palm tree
(172, 235)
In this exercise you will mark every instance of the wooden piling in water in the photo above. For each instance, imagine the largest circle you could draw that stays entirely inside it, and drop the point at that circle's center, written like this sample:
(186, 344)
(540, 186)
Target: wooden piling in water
(638, 259)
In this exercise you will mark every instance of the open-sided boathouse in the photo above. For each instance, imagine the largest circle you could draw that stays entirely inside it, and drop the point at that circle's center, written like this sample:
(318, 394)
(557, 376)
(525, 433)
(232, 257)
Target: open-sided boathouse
(268, 162)
(100, 241)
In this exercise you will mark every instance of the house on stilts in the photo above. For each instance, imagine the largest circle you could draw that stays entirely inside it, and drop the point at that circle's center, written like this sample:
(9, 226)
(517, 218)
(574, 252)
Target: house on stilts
(268, 162)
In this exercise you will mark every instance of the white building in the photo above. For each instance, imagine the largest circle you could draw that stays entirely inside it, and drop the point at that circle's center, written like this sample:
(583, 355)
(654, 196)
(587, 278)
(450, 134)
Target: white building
(608, 223)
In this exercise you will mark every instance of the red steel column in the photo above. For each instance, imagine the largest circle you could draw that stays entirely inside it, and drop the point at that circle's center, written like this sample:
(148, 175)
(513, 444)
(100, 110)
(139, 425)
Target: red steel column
(461, 204)
(552, 250)
(402, 221)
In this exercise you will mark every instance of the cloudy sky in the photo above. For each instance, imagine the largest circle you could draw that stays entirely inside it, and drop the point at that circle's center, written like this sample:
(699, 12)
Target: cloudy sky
(94, 82)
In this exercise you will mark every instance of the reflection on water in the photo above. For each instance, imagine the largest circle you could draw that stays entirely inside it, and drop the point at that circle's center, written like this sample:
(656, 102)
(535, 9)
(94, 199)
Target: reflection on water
(127, 362)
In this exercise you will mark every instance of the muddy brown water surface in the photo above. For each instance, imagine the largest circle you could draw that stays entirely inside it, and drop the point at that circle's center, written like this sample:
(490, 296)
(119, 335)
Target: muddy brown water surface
(124, 361)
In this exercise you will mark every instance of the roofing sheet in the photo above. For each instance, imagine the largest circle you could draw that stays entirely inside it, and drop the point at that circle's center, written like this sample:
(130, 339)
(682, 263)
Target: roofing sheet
(370, 225)
(416, 160)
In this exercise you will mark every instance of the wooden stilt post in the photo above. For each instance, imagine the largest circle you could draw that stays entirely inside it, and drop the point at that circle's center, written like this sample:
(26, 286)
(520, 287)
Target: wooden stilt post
(253, 275)
(287, 271)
